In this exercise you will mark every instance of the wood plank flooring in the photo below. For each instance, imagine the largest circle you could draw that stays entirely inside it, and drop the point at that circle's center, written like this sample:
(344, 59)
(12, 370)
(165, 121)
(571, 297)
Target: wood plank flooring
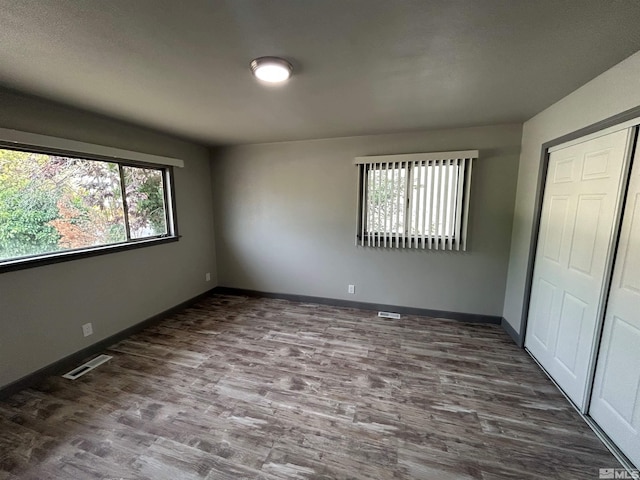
(245, 388)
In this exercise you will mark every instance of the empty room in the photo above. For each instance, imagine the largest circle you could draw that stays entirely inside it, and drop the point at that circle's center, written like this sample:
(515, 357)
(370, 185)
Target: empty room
(319, 239)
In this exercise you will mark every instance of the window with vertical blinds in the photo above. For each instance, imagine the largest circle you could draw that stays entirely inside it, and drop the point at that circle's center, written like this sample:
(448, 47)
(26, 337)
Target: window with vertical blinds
(416, 201)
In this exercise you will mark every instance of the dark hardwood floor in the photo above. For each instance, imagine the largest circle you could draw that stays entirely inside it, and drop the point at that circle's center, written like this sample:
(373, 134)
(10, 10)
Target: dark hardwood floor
(239, 388)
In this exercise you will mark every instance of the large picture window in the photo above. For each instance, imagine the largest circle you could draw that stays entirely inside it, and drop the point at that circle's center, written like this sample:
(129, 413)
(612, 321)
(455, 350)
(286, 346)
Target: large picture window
(52, 205)
(415, 201)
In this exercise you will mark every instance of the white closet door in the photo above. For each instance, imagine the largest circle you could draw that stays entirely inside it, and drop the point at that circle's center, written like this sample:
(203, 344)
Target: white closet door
(579, 210)
(615, 402)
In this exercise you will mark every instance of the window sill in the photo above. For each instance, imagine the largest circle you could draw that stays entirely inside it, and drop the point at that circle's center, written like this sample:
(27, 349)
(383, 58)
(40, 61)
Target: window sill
(69, 255)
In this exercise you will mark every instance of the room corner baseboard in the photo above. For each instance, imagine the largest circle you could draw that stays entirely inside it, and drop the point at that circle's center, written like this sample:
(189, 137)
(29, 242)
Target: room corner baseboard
(78, 357)
(515, 336)
(463, 317)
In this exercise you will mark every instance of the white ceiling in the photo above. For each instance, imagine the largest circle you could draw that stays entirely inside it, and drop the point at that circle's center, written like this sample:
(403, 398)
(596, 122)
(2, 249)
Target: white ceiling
(361, 66)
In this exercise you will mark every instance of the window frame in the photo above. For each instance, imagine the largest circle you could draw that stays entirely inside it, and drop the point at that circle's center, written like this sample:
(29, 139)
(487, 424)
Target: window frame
(392, 237)
(168, 181)
(377, 239)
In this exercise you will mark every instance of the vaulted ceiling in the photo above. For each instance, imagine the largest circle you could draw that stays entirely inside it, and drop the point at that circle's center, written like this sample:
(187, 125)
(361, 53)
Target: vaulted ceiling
(361, 66)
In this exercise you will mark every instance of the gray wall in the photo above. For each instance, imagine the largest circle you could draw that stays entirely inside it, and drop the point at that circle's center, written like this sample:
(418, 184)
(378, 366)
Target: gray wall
(42, 309)
(286, 212)
(613, 92)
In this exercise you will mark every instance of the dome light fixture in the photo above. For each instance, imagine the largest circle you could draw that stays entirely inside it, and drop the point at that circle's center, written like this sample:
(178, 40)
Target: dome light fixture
(271, 69)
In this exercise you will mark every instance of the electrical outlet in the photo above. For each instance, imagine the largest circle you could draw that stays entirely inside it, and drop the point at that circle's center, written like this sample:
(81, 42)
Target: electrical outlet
(207, 277)
(352, 289)
(87, 329)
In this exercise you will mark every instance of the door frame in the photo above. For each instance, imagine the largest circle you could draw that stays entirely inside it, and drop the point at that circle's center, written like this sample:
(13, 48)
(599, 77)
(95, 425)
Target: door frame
(613, 121)
(632, 117)
(627, 119)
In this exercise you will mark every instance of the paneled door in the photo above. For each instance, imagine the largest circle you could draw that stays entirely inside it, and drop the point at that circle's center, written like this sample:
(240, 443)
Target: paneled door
(577, 228)
(615, 402)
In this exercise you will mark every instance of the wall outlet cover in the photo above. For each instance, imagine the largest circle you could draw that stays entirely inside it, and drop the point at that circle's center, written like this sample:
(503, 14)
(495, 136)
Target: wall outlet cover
(87, 329)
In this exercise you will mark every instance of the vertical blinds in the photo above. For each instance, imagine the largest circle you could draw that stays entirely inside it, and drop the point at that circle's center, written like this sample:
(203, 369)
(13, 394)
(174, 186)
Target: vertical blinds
(415, 201)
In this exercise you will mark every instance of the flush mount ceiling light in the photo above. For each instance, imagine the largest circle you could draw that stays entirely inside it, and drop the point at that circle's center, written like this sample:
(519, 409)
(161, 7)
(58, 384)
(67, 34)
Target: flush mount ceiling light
(271, 69)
